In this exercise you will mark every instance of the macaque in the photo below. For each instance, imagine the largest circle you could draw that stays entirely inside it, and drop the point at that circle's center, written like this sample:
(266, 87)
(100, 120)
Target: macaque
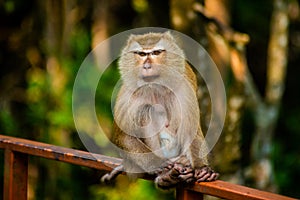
(156, 114)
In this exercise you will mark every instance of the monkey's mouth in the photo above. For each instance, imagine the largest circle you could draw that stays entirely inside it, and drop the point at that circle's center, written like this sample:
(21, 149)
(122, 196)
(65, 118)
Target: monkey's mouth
(150, 78)
(149, 74)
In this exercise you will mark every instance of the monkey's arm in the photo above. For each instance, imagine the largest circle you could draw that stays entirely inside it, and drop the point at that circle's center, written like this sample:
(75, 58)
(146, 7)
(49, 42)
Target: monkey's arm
(190, 76)
(137, 157)
(202, 172)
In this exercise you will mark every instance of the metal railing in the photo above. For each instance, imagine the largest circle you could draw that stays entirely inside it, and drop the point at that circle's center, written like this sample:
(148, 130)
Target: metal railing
(17, 150)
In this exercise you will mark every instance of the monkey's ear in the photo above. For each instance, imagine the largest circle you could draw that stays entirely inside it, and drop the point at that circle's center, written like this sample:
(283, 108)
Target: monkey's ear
(131, 38)
(132, 44)
(167, 35)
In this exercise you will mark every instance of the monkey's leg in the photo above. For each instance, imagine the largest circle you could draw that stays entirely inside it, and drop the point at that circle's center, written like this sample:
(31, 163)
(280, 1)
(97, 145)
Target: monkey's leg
(205, 173)
(177, 174)
(134, 150)
(112, 175)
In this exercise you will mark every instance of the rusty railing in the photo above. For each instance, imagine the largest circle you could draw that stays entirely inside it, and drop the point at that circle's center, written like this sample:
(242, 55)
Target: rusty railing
(17, 150)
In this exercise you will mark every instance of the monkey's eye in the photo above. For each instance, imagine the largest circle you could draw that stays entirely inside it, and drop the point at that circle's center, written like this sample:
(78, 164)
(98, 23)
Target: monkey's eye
(157, 52)
(140, 53)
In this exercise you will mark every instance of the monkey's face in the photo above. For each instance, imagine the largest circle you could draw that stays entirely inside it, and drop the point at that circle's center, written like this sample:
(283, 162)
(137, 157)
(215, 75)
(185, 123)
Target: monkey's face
(149, 62)
(152, 57)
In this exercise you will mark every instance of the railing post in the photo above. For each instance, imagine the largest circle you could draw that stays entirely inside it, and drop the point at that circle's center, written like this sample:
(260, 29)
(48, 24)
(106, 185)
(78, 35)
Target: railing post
(15, 175)
(185, 194)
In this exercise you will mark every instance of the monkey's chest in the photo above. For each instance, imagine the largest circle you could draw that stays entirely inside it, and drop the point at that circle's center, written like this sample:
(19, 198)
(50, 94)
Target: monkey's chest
(156, 129)
(156, 119)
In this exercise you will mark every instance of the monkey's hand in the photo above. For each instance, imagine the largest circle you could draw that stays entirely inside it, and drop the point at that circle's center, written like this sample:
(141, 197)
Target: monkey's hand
(167, 166)
(180, 161)
(205, 173)
(178, 173)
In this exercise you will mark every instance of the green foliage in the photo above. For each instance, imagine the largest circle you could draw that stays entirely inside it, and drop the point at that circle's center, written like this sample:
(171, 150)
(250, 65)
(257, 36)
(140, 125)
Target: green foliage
(123, 190)
(105, 89)
(286, 165)
(7, 121)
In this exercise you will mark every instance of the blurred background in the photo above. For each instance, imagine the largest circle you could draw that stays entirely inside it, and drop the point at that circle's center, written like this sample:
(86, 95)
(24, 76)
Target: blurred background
(255, 44)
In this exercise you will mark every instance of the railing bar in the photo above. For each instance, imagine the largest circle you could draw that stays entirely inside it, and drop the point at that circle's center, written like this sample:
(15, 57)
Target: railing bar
(237, 192)
(73, 156)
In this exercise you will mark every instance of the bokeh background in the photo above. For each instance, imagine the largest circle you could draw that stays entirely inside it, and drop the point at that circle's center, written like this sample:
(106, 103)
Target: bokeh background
(43, 43)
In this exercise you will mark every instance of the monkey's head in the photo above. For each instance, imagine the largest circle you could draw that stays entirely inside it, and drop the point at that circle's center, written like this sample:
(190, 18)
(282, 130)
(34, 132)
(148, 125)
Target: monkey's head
(151, 57)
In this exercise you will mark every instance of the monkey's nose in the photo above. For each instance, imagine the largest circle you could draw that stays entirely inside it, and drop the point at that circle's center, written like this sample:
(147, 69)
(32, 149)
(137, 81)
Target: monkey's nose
(147, 65)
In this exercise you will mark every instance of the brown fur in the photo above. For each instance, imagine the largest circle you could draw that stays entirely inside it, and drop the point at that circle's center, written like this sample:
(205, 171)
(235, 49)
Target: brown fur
(156, 112)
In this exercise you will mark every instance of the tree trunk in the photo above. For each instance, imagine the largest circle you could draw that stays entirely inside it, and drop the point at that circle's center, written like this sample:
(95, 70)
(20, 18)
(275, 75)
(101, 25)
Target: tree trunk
(261, 171)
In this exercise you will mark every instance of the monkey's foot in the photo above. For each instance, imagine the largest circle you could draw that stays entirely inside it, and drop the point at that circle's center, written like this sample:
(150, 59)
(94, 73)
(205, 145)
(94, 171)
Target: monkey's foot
(205, 173)
(177, 174)
(112, 175)
(107, 178)
(167, 166)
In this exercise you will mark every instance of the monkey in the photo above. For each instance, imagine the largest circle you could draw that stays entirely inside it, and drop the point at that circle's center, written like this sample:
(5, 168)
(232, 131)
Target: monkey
(156, 114)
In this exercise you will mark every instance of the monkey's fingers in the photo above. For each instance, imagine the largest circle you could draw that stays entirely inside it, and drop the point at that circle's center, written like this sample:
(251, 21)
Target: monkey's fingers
(205, 174)
(178, 174)
(168, 165)
(214, 176)
(171, 178)
(187, 178)
(183, 169)
(175, 171)
(186, 173)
